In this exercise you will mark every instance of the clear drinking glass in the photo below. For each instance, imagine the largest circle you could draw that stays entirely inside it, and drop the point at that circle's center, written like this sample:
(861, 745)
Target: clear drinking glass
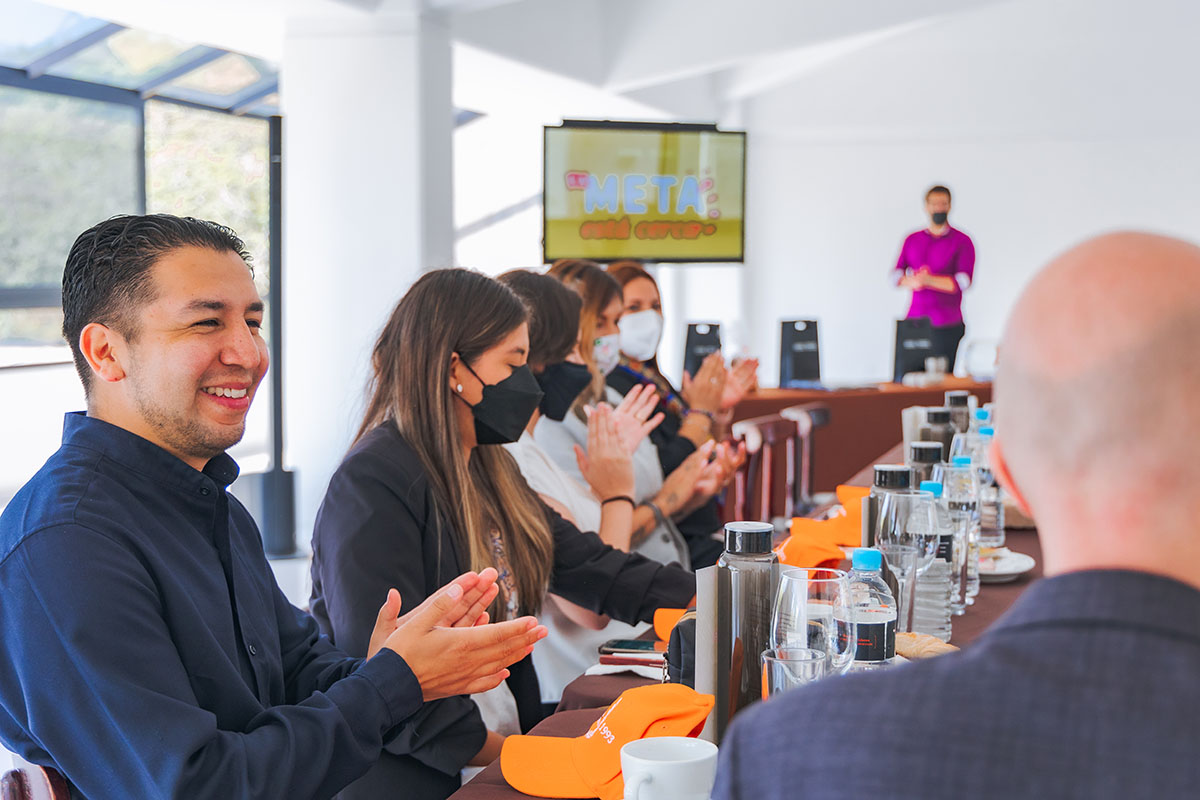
(979, 359)
(962, 498)
(789, 667)
(812, 610)
(907, 533)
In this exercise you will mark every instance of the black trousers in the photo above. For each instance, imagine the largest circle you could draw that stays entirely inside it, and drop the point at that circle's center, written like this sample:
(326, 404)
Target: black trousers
(945, 342)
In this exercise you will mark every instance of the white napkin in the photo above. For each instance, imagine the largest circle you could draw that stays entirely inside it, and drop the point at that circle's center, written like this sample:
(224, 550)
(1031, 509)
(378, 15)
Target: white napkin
(615, 669)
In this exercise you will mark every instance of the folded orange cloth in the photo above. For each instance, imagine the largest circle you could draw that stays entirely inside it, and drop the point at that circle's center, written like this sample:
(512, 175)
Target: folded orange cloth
(664, 621)
(812, 543)
(851, 498)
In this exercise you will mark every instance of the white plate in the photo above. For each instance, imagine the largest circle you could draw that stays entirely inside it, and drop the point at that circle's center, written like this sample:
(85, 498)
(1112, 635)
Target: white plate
(1007, 567)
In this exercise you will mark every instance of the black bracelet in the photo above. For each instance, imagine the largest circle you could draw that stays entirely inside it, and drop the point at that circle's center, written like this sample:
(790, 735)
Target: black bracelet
(623, 497)
(711, 416)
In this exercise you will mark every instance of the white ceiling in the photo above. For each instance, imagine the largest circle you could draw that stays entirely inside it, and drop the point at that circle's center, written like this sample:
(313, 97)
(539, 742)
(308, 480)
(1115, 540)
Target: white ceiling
(703, 59)
(685, 58)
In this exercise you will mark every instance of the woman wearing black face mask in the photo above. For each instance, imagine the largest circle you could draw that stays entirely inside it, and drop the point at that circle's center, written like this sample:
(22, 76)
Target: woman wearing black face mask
(426, 489)
(605, 503)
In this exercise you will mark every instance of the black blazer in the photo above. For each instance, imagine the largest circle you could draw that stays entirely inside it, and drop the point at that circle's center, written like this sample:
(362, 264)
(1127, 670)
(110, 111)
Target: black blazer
(378, 528)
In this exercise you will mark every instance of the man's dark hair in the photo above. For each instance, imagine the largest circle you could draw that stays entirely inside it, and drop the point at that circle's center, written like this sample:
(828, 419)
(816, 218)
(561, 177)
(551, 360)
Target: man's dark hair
(107, 275)
(553, 315)
(939, 189)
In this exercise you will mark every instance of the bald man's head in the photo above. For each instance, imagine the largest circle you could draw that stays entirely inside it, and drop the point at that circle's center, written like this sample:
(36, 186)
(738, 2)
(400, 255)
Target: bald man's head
(1098, 387)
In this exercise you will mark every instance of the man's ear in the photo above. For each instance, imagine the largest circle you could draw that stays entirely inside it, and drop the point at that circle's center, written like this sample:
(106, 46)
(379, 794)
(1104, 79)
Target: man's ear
(103, 348)
(1004, 477)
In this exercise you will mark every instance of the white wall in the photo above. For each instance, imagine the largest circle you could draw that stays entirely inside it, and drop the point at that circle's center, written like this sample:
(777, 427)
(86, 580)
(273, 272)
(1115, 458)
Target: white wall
(32, 404)
(367, 185)
(1050, 121)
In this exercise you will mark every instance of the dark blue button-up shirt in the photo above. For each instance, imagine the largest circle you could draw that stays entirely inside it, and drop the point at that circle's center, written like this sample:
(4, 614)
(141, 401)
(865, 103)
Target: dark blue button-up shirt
(147, 650)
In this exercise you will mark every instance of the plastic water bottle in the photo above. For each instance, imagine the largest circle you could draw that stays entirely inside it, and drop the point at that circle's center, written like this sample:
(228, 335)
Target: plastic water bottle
(991, 496)
(935, 587)
(945, 548)
(922, 457)
(888, 478)
(982, 418)
(961, 492)
(873, 608)
(959, 403)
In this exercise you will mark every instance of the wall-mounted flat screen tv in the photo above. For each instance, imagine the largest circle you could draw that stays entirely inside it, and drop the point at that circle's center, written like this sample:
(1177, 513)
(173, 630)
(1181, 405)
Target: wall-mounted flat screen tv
(650, 191)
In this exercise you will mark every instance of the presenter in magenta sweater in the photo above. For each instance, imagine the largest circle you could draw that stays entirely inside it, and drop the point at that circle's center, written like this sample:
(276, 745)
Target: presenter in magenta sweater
(937, 263)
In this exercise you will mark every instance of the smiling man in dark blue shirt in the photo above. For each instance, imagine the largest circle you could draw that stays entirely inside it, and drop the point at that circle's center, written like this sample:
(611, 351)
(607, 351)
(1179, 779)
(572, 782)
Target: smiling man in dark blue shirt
(147, 651)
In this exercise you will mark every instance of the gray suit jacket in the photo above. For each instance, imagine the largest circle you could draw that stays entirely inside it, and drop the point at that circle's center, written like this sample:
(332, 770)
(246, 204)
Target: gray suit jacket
(1089, 687)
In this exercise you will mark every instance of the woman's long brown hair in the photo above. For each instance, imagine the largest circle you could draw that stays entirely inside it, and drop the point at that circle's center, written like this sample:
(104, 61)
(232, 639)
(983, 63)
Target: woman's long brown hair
(445, 312)
(598, 289)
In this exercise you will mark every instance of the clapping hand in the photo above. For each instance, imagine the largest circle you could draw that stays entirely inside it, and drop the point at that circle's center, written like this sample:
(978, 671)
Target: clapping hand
(716, 474)
(720, 471)
(632, 417)
(740, 381)
(704, 392)
(607, 465)
(680, 486)
(447, 641)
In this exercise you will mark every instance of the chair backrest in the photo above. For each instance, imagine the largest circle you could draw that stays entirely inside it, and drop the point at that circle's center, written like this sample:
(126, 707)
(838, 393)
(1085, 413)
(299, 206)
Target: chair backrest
(31, 782)
(763, 491)
(763, 436)
(808, 418)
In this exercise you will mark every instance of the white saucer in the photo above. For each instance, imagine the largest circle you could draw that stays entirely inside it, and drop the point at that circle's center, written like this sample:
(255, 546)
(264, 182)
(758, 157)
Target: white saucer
(1007, 567)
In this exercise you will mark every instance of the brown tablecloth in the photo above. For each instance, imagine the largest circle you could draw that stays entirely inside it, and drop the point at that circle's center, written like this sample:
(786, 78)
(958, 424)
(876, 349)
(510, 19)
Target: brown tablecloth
(995, 598)
(490, 784)
(597, 691)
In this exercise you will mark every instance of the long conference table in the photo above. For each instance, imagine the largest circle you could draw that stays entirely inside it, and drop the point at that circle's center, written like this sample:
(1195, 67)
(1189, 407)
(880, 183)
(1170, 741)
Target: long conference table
(587, 696)
(863, 422)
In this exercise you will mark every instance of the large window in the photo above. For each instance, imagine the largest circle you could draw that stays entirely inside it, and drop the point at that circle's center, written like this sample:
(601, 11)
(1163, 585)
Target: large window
(214, 166)
(65, 163)
(98, 120)
(211, 165)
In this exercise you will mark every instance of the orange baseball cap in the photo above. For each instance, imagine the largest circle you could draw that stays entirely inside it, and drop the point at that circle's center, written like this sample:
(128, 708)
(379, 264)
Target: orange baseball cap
(590, 765)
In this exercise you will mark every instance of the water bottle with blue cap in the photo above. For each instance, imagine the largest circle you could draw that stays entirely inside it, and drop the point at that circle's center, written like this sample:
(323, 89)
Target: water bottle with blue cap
(935, 588)
(960, 493)
(873, 609)
(991, 496)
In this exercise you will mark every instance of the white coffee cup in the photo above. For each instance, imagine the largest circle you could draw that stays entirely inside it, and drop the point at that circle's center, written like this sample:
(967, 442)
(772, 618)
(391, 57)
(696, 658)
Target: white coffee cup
(669, 768)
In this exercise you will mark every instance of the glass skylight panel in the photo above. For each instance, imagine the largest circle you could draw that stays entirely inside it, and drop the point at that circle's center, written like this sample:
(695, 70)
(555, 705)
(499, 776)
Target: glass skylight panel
(126, 59)
(267, 107)
(32, 30)
(224, 78)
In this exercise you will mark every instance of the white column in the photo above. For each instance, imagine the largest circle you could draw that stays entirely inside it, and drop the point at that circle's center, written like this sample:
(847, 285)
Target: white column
(368, 121)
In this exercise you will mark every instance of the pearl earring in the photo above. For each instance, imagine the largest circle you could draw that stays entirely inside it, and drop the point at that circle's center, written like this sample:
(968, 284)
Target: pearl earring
(458, 388)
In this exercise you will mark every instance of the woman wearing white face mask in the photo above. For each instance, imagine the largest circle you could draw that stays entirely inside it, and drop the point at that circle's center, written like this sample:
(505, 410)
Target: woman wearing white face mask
(691, 416)
(599, 320)
(624, 521)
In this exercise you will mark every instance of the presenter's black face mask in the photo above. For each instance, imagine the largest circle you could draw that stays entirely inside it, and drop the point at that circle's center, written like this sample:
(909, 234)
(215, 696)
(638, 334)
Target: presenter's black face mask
(562, 383)
(505, 408)
(939, 217)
